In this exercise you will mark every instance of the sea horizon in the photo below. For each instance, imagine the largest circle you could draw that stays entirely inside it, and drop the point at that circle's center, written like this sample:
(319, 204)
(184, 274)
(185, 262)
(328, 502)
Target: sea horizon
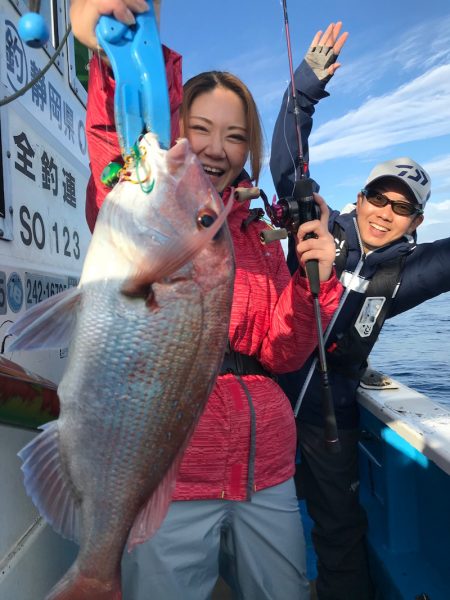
(414, 349)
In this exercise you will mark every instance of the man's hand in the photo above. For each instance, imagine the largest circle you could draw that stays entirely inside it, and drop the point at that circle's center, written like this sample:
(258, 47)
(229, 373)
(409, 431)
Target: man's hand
(322, 248)
(324, 50)
(84, 15)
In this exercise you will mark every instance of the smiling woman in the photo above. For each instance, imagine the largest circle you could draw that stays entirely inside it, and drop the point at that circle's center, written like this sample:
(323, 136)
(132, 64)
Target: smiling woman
(243, 447)
(218, 135)
(220, 117)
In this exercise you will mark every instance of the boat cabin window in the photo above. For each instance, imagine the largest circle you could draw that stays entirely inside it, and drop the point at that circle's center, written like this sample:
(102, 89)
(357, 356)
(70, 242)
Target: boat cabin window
(82, 56)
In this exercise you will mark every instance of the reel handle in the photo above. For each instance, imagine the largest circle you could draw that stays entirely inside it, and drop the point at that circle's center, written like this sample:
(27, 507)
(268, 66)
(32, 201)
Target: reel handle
(272, 235)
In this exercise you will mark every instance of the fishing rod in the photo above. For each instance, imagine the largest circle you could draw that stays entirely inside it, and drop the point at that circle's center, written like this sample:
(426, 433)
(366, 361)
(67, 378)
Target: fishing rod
(287, 215)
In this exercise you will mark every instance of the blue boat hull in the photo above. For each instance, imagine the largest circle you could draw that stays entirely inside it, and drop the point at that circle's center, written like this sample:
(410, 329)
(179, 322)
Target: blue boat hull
(407, 499)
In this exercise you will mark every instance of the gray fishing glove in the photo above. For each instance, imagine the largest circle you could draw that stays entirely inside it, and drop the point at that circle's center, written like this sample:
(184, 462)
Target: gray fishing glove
(320, 58)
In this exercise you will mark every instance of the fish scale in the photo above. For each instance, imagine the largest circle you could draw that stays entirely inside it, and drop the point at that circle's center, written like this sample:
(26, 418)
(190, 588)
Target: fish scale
(121, 416)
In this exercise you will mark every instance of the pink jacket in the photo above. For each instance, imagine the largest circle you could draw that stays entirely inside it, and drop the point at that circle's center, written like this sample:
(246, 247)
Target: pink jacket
(272, 318)
(246, 438)
(103, 144)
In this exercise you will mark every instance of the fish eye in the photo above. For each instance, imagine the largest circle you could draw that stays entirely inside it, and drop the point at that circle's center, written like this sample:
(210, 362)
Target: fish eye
(206, 218)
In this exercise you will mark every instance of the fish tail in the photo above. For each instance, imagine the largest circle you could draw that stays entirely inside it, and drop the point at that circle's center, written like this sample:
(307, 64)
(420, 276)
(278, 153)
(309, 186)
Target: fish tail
(76, 586)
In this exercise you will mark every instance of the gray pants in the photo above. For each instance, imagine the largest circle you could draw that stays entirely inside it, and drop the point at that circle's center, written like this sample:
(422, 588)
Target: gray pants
(258, 547)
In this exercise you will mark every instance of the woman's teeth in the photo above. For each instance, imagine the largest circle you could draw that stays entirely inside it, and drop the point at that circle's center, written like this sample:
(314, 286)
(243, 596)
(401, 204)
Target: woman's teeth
(212, 171)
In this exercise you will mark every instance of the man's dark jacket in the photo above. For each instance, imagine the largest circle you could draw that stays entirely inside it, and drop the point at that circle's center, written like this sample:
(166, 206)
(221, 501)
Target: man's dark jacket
(424, 269)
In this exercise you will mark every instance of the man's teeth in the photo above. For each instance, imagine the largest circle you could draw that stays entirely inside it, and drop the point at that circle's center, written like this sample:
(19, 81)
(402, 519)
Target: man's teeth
(212, 170)
(379, 227)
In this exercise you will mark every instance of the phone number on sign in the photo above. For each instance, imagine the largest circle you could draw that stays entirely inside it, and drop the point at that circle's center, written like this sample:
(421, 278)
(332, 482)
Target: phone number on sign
(41, 287)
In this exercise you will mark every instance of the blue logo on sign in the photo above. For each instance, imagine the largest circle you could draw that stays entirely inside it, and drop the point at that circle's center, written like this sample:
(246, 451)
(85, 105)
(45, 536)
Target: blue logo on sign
(14, 292)
(16, 58)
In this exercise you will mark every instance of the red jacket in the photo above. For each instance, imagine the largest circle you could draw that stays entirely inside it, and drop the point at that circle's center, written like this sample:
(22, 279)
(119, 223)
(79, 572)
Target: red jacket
(103, 144)
(246, 437)
(271, 318)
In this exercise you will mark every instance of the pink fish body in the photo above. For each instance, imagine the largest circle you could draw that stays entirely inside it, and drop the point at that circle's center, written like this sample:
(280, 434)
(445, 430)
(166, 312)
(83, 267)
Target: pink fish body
(149, 325)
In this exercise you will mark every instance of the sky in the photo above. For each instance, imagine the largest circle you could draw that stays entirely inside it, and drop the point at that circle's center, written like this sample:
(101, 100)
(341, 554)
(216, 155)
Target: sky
(390, 98)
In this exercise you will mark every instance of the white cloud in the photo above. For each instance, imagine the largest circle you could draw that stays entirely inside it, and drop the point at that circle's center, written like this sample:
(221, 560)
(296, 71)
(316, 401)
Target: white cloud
(416, 50)
(443, 207)
(439, 167)
(437, 212)
(437, 219)
(417, 110)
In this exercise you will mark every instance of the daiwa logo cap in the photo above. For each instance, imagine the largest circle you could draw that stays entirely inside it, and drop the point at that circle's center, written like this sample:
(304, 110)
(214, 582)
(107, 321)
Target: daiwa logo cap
(408, 171)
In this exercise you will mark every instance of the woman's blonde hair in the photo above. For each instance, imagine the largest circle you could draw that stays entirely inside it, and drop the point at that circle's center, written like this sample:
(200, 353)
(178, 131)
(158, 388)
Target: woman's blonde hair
(206, 82)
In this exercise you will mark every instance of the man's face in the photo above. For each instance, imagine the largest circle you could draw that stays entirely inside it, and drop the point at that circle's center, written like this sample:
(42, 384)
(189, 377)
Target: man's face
(380, 225)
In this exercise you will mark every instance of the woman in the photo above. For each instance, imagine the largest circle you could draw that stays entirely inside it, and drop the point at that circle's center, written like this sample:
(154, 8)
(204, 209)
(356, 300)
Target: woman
(234, 508)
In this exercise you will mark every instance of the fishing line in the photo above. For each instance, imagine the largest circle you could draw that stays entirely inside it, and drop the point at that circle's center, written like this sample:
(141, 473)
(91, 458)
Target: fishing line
(302, 167)
(286, 140)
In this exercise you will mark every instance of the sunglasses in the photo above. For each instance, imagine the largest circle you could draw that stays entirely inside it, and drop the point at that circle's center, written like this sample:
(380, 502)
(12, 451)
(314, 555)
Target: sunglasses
(404, 209)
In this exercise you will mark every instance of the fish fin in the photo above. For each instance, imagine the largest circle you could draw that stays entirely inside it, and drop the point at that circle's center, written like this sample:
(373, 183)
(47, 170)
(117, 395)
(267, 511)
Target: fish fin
(176, 156)
(168, 258)
(138, 287)
(48, 324)
(47, 484)
(76, 586)
(152, 514)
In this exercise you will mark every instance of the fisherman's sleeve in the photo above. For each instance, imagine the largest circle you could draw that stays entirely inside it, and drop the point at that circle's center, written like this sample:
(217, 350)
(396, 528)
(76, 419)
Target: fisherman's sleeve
(292, 335)
(426, 275)
(284, 150)
(103, 143)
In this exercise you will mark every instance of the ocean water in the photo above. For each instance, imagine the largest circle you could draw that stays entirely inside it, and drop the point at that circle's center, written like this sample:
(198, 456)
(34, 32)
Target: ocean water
(414, 348)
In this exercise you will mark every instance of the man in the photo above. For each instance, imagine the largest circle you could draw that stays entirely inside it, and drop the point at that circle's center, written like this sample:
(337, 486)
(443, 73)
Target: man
(385, 272)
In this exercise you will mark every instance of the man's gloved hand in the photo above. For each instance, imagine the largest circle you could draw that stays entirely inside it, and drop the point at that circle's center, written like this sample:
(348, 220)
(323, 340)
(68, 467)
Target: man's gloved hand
(324, 50)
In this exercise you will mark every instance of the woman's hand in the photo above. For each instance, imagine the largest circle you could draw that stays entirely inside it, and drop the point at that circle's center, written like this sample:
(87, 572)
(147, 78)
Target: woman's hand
(84, 15)
(322, 248)
(324, 50)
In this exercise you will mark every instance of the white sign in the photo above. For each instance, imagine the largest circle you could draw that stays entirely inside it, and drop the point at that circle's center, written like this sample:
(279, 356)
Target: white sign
(49, 199)
(47, 100)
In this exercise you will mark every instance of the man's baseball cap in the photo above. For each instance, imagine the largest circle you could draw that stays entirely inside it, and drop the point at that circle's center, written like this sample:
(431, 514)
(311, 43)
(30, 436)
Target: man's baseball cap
(407, 170)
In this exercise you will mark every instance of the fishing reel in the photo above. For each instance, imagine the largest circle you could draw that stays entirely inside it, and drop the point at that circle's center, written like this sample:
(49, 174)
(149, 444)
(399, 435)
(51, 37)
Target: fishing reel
(289, 213)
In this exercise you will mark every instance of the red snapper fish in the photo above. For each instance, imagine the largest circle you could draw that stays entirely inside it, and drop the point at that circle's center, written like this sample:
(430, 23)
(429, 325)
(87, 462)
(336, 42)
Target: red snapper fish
(148, 326)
